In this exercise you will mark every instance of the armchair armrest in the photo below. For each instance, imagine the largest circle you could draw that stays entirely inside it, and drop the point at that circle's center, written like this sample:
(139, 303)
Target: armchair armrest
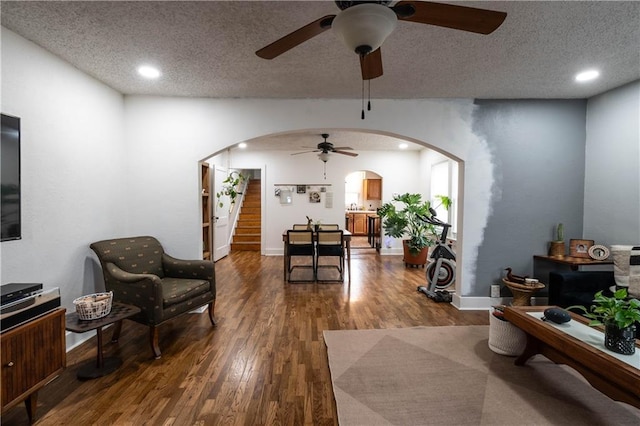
(128, 277)
(142, 290)
(190, 269)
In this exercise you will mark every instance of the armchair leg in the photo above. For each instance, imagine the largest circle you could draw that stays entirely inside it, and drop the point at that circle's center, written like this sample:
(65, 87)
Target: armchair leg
(153, 337)
(211, 308)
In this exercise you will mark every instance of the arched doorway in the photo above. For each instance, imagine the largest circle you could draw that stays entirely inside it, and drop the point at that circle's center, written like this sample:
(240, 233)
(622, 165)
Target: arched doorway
(363, 196)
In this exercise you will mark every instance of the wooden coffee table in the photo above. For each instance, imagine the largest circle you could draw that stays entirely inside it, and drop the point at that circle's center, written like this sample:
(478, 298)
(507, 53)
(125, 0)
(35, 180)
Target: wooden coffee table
(580, 347)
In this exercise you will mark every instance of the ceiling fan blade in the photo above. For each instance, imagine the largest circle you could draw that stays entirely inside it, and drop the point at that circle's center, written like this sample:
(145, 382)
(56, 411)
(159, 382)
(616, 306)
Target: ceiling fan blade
(371, 65)
(338, 148)
(305, 152)
(350, 154)
(481, 21)
(295, 38)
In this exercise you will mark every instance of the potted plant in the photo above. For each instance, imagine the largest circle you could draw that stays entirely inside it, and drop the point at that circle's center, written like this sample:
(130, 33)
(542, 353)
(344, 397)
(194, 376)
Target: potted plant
(231, 187)
(407, 221)
(619, 315)
(556, 248)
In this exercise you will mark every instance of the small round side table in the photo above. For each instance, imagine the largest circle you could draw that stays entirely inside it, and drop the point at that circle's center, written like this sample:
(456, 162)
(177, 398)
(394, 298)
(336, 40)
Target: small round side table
(522, 292)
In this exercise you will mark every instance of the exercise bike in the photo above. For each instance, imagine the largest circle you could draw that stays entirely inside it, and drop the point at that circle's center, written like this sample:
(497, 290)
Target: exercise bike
(441, 271)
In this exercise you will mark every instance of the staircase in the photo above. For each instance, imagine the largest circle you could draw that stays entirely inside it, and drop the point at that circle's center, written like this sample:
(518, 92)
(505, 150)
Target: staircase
(248, 235)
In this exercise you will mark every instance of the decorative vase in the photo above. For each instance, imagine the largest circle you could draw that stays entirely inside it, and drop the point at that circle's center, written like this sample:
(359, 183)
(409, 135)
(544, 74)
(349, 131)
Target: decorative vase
(557, 249)
(620, 340)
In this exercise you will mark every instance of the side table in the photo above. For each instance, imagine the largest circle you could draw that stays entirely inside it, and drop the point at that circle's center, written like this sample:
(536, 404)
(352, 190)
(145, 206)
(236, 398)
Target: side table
(102, 366)
(522, 292)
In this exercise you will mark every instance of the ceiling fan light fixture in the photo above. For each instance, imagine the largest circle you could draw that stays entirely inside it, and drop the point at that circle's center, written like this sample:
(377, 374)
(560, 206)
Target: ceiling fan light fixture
(323, 156)
(364, 27)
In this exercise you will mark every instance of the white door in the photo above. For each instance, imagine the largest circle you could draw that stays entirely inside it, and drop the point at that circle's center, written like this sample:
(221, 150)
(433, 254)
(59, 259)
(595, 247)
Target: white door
(220, 217)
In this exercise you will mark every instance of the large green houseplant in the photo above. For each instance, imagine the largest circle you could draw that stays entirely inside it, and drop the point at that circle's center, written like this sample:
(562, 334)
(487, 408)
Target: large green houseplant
(619, 314)
(403, 217)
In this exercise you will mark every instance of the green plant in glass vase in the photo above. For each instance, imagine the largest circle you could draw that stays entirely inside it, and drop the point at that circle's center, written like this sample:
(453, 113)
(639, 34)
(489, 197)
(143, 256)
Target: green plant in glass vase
(231, 187)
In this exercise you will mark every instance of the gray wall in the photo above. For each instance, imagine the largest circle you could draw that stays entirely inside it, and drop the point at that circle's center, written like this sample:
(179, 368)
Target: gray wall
(612, 181)
(538, 153)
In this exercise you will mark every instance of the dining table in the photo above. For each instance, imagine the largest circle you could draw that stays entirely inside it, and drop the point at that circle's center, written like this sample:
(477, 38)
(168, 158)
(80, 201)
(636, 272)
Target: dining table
(347, 244)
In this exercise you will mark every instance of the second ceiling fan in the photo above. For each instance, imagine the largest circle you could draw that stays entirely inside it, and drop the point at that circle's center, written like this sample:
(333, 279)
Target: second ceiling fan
(364, 25)
(325, 147)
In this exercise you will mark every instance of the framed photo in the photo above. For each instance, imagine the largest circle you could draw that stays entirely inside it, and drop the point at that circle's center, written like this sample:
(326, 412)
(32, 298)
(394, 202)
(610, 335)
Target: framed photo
(598, 252)
(301, 189)
(580, 248)
(314, 197)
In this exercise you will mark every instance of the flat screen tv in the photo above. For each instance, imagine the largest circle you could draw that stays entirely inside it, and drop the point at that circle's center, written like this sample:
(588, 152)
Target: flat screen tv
(10, 178)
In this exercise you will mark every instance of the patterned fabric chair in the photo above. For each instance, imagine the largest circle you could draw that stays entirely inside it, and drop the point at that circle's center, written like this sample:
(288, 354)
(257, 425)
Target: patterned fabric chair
(140, 273)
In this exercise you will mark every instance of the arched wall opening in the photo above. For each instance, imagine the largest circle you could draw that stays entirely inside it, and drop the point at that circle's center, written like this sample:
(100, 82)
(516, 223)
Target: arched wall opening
(172, 134)
(263, 154)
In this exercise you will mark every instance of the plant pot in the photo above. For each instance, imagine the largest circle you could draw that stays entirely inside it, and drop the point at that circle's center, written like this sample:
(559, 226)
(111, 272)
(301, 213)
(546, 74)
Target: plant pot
(556, 249)
(620, 340)
(419, 259)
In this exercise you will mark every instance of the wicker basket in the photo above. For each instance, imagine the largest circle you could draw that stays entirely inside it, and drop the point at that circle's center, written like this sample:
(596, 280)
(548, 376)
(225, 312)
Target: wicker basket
(93, 306)
(505, 338)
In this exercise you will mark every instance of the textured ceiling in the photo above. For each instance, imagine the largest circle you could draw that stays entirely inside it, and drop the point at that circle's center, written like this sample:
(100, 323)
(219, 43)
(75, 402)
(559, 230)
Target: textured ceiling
(206, 49)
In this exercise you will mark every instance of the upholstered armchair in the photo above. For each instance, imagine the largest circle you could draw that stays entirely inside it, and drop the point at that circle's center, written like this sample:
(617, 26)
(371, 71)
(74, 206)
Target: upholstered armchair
(140, 273)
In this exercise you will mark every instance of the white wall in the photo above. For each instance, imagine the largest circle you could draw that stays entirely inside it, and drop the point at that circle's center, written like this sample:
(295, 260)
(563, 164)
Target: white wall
(612, 178)
(73, 168)
(168, 136)
(398, 170)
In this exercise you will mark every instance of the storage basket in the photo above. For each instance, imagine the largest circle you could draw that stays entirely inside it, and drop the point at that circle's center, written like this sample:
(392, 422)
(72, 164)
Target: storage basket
(93, 306)
(505, 338)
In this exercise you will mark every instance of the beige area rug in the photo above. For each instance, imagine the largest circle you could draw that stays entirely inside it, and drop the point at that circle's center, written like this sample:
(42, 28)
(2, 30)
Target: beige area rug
(449, 376)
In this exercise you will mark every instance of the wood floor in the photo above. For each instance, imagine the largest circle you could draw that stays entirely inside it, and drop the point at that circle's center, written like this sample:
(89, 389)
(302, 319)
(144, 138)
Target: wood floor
(264, 363)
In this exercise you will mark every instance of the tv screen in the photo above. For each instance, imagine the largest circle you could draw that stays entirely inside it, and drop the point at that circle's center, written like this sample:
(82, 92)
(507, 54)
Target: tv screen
(10, 178)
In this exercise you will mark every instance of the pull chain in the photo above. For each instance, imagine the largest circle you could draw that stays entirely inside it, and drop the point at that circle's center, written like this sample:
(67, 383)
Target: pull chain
(325, 169)
(369, 96)
(362, 115)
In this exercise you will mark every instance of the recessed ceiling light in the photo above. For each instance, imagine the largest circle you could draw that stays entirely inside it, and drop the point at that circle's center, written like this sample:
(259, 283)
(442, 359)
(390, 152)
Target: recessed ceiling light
(242, 145)
(148, 71)
(587, 76)
(403, 146)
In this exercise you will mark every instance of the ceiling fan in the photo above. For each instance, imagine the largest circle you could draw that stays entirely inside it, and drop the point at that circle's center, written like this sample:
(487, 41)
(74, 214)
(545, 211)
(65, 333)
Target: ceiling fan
(364, 25)
(324, 148)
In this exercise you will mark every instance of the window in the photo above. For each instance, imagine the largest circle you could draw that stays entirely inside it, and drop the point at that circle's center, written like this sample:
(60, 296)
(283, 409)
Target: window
(444, 181)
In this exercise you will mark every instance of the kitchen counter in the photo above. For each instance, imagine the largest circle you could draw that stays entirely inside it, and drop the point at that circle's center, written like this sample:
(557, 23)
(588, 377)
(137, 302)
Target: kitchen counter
(361, 211)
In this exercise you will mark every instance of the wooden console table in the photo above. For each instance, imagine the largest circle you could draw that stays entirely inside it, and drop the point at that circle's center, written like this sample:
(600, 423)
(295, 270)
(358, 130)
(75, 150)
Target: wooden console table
(32, 354)
(573, 262)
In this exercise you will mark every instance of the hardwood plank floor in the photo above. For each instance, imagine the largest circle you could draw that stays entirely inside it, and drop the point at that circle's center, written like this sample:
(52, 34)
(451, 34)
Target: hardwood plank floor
(264, 363)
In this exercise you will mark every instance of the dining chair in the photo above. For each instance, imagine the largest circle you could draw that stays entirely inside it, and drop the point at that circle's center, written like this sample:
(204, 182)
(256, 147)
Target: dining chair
(329, 226)
(300, 226)
(330, 243)
(300, 244)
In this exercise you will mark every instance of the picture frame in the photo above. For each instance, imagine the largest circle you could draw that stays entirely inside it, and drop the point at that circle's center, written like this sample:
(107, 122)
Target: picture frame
(580, 248)
(301, 189)
(598, 252)
(314, 197)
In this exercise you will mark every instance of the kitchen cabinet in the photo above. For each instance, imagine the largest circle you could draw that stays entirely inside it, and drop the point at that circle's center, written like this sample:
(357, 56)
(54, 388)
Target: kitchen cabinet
(357, 223)
(372, 189)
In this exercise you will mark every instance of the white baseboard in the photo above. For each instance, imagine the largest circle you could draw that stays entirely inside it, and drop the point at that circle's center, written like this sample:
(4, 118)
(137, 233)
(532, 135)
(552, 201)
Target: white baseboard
(485, 303)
